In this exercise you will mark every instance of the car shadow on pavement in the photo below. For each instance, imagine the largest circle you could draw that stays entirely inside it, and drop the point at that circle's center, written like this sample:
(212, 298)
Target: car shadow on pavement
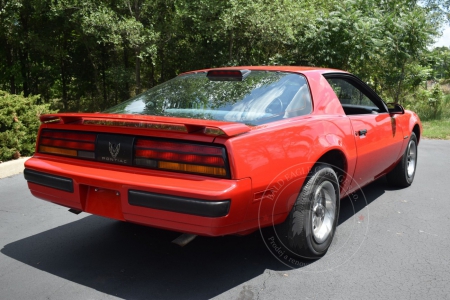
(355, 203)
(136, 262)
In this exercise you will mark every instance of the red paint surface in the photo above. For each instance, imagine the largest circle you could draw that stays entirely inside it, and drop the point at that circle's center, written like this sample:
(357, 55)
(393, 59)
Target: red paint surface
(258, 189)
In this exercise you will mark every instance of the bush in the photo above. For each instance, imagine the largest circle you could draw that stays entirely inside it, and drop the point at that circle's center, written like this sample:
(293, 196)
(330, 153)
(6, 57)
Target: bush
(428, 104)
(19, 123)
(446, 107)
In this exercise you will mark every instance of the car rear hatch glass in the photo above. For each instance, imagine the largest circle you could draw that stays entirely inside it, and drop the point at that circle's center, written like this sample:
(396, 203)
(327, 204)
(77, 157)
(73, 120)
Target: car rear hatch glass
(252, 98)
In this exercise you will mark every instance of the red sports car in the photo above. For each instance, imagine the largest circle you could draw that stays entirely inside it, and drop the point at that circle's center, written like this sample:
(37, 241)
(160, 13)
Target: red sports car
(227, 151)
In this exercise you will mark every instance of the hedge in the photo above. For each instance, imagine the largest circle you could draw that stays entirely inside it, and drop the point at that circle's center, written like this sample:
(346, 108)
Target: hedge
(19, 123)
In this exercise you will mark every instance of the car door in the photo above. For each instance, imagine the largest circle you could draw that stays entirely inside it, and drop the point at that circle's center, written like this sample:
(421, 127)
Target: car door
(378, 137)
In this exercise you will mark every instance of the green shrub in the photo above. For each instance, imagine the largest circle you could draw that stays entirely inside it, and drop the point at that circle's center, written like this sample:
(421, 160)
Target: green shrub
(428, 104)
(446, 107)
(19, 123)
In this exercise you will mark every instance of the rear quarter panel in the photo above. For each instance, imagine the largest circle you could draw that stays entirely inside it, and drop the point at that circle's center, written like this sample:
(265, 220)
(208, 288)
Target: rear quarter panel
(278, 157)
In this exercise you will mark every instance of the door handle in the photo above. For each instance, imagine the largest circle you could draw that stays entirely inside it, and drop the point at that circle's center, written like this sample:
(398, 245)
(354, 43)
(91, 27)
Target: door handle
(362, 132)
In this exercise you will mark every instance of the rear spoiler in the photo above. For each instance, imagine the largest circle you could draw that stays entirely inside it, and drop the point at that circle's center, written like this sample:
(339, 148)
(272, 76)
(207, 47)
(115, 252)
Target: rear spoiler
(228, 129)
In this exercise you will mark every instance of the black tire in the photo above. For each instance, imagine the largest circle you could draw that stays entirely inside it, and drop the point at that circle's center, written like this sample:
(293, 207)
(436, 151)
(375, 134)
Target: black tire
(298, 233)
(403, 173)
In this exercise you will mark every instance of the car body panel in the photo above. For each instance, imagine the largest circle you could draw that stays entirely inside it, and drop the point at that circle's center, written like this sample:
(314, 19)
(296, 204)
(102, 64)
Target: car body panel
(269, 152)
(268, 163)
(113, 179)
(187, 125)
(377, 148)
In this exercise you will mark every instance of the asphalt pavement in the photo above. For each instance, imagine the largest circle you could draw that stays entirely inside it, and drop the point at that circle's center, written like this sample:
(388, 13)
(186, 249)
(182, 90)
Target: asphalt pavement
(390, 244)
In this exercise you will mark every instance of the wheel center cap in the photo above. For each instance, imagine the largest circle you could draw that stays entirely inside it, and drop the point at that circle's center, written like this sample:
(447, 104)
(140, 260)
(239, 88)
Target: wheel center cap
(319, 211)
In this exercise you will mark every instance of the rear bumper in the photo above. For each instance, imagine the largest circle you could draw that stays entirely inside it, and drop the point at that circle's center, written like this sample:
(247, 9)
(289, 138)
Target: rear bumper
(180, 202)
(56, 182)
(196, 207)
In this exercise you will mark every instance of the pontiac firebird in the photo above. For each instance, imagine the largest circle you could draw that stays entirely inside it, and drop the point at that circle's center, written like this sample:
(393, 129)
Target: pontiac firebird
(227, 151)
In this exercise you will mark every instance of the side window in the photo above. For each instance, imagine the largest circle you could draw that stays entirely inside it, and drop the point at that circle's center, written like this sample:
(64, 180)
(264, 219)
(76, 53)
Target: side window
(352, 98)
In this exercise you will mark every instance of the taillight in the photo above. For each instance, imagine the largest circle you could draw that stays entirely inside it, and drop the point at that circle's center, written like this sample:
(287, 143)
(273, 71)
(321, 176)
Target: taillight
(65, 143)
(182, 157)
(148, 153)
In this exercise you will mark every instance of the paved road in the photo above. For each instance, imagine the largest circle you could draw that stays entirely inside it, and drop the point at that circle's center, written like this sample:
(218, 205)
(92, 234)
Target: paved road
(391, 244)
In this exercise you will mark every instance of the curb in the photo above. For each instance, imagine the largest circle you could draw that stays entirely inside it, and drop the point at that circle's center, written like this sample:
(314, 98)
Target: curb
(12, 167)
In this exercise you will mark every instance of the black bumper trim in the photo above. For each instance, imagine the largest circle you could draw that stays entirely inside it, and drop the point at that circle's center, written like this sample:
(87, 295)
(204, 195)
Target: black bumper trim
(56, 182)
(177, 204)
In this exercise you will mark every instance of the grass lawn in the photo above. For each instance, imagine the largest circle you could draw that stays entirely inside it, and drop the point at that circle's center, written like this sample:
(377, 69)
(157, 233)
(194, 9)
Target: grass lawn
(437, 129)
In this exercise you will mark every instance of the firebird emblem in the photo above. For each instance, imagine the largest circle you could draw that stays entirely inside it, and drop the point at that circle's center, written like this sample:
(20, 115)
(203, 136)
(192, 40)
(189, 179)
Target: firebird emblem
(114, 150)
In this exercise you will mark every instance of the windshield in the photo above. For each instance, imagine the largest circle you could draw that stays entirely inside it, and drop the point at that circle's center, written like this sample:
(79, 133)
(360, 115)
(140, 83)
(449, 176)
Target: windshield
(260, 98)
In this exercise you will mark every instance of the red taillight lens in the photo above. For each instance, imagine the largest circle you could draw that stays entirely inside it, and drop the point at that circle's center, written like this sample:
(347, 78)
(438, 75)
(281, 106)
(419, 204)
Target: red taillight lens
(67, 143)
(183, 157)
(178, 147)
(64, 135)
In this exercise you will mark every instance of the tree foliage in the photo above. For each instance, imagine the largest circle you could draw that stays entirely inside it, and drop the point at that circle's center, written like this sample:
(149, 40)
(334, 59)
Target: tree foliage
(85, 55)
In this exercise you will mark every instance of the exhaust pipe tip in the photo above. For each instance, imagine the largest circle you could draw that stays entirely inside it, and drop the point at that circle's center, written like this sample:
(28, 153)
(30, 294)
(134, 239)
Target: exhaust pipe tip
(184, 239)
(75, 211)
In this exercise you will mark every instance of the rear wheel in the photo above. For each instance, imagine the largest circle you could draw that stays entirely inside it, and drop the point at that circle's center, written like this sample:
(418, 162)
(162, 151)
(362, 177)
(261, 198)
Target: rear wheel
(403, 173)
(311, 224)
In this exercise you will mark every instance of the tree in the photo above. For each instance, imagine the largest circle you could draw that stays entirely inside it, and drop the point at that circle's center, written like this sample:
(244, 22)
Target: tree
(89, 55)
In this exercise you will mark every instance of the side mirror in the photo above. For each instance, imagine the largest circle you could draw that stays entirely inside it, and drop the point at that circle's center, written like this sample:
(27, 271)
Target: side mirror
(395, 109)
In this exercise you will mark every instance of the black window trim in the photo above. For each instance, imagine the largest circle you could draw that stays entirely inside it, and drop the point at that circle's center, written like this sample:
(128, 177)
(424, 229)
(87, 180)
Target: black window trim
(367, 91)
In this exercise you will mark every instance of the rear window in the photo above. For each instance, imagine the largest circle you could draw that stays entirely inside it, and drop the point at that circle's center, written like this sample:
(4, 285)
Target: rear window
(260, 98)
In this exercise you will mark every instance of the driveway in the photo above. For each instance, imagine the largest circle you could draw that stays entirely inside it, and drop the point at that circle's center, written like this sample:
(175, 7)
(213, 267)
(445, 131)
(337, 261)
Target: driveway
(390, 244)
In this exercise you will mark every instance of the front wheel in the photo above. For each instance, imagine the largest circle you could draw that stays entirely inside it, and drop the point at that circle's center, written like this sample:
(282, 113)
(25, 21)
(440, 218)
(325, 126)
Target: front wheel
(311, 224)
(403, 173)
